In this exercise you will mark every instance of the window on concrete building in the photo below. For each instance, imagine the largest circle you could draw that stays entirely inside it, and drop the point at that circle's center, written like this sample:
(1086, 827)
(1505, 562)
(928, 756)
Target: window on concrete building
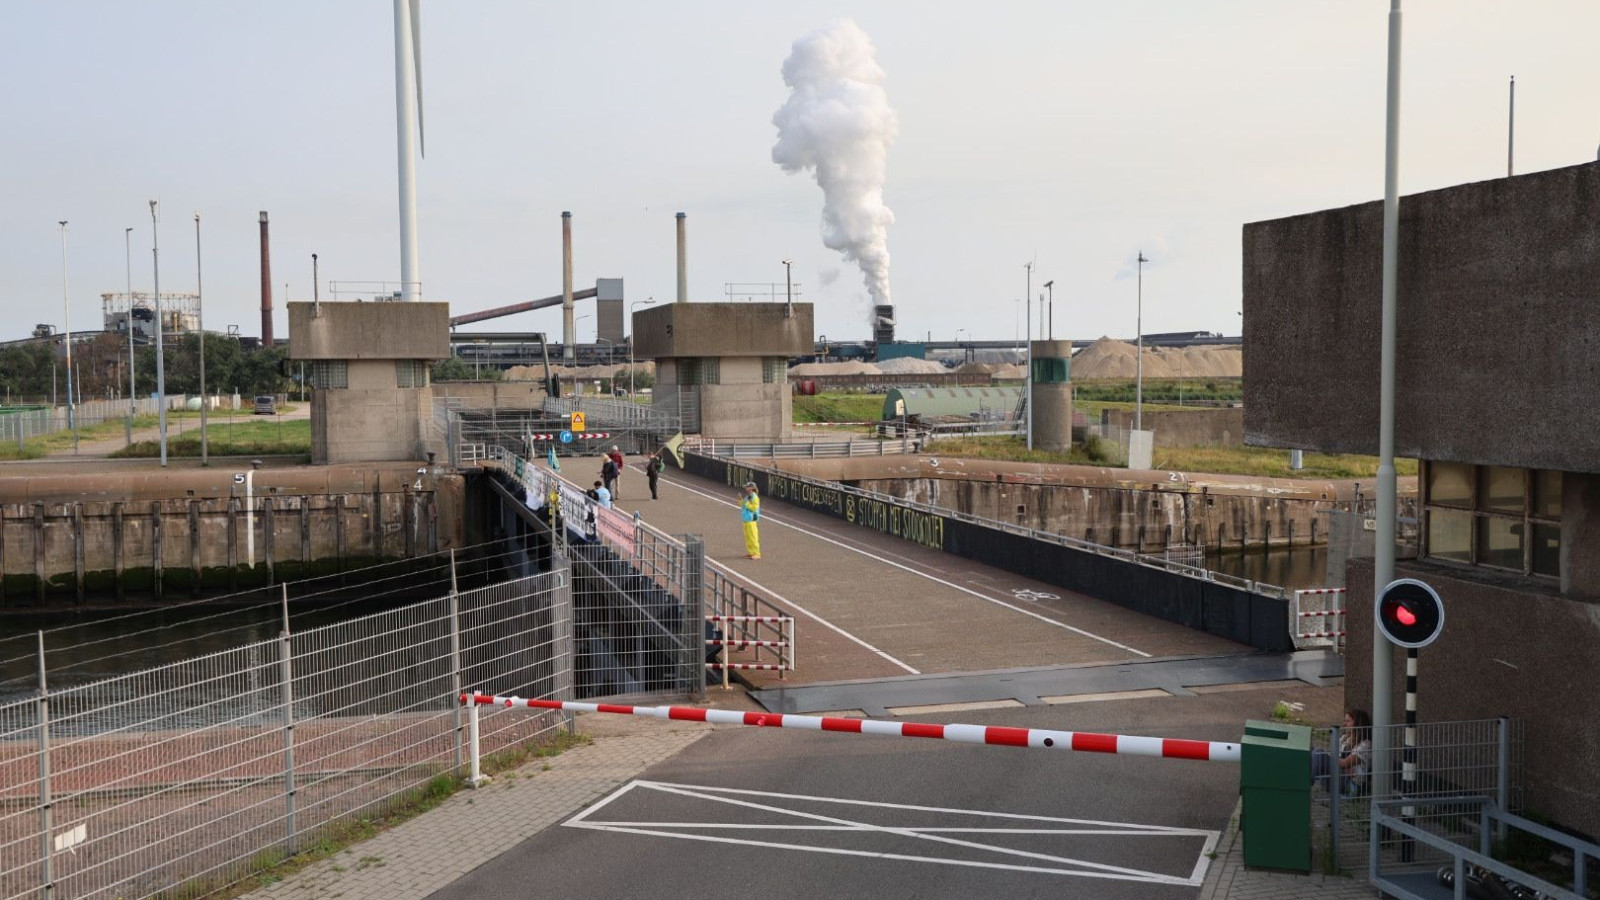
(410, 373)
(1049, 371)
(1493, 516)
(696, 370)
(330, 373)
(774, 370)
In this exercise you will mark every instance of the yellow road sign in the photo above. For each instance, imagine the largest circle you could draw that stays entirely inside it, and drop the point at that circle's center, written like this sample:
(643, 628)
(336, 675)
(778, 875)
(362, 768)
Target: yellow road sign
(578, 423)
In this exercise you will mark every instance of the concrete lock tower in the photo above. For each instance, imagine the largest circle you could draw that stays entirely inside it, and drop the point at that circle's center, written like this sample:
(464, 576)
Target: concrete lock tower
(723, 368)
(1050, 383)
(371, 399)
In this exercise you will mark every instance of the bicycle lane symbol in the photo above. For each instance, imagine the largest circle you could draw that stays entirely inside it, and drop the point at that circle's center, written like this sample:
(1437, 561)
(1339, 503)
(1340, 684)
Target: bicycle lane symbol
(1032, 596)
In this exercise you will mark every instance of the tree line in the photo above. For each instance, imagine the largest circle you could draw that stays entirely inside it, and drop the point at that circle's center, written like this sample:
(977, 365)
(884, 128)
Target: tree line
(36, 371)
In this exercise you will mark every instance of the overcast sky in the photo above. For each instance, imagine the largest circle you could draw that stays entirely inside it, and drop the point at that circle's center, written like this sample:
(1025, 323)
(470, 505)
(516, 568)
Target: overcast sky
(1074, 134)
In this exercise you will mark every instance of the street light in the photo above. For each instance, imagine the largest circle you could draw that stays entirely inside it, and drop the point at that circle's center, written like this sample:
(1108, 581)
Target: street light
(1050, 289)
(632, 336)
(200, 323)
(1138, 326)
(958, 334)
(788, 288)
(66, 321)
(1028, 372)
(161, 364)
(127, 251)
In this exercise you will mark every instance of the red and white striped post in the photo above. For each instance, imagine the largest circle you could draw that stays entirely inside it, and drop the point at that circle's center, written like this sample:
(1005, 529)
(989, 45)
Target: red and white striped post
(1033, 738)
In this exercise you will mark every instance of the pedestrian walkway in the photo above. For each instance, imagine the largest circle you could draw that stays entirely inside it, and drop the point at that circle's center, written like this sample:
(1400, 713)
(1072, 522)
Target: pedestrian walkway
(420, 856)
(1228, 879)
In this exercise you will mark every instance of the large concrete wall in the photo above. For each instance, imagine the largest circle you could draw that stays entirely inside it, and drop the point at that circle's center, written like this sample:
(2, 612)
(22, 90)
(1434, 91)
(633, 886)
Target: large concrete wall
(1486, 663)
(759, 412)
(493, 394)
(1497, 324)
(1187, 428)
(369, 421)
(178, 532)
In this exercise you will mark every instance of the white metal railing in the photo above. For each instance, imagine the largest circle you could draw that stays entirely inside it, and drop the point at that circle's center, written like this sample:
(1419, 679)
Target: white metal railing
(803, 449)
(1316, 618)
(616, 413)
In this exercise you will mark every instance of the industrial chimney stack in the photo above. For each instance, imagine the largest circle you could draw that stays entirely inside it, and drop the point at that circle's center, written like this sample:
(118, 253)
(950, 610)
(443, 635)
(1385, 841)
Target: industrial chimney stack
(569, 336)
(266, 285)
(683, 263)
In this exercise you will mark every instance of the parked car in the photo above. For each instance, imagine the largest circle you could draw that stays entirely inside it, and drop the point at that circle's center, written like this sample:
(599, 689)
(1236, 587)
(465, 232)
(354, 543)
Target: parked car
(266, 405)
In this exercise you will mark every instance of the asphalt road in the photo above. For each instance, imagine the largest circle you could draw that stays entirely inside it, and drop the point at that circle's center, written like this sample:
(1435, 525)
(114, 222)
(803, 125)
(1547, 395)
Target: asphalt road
(767, 813)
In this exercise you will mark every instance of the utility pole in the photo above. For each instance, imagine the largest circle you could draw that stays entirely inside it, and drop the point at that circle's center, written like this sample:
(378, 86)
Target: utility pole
(200, 323)
(1138, 326)
(127, 252)
(1050, 290)
(161, 359)
(66, 322)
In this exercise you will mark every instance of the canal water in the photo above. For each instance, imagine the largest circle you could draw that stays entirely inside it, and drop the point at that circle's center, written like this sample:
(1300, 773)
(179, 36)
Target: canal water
(1296, 569)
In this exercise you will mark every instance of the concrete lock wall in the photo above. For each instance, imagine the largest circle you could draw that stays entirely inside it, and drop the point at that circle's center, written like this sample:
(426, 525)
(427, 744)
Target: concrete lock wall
(413, 330)
(723, 330)
(1133, 519)
(493, 394)
(1187, 428)
(57, 551)
(762, 412)
(1487, 663)
(372, 423)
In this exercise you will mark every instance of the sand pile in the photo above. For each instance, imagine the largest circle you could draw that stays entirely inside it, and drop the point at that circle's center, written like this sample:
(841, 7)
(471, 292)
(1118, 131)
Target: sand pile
(848, 367)
(1013, 372)
(906, 365)
(1109, 358)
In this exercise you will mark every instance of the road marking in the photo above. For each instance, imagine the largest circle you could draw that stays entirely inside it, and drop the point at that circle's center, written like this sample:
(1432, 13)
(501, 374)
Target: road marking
(814, 822)
(1032, 596)
(798, 608)
(889, 562)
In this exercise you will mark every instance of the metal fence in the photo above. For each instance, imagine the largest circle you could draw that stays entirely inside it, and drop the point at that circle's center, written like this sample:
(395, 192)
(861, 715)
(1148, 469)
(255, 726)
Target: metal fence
(1317, 618)
(18, 425)
(652, 611)
(804, 449)
(1453, 759)
(200, 772)
(618, 413)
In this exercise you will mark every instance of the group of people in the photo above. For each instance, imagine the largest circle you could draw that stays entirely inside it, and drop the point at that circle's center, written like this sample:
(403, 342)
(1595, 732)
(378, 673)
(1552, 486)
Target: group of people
(605, 490)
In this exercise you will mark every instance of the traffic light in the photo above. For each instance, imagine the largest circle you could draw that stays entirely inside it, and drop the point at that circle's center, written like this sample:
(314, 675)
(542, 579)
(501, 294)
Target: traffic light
(1409, 613)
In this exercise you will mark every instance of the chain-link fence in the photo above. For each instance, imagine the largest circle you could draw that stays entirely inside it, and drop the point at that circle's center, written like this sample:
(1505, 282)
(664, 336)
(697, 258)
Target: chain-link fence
(1474, 757)
(200, 771)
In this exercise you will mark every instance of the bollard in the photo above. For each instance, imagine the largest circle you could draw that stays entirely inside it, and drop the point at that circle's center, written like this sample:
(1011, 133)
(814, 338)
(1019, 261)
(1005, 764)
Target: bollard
(475, 778)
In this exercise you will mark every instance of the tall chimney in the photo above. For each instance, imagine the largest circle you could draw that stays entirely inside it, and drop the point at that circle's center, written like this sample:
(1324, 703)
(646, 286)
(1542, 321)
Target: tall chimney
(266, 285)
(683, 264)
(568, 333)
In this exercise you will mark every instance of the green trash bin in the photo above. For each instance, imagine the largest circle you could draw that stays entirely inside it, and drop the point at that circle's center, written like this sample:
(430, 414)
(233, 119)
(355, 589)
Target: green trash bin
(1275, 784)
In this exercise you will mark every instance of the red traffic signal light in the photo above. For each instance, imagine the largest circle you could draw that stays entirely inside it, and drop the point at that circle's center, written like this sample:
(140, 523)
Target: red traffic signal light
(1409, 613)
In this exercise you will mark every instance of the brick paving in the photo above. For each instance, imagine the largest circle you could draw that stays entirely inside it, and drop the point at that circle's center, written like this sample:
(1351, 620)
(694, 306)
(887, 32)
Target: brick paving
(1228, 879)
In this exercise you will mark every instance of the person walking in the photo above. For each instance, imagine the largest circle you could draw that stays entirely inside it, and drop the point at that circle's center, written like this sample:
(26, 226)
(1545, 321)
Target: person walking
(616, 459)
(608, 475)
(652, 472)
(750, 510)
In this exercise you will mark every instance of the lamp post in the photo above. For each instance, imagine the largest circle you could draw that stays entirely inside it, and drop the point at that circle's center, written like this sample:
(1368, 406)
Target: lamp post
(632, 337)
(161, 364)
(66, 321)
(1028, 374)
(200, 325)
(788, 288)
(127, 252)
(1050, 290)
(1138, 327)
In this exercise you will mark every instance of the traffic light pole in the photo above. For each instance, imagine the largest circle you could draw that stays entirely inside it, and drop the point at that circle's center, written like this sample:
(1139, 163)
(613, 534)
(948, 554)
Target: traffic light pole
(1383, 564)
(1408, 772)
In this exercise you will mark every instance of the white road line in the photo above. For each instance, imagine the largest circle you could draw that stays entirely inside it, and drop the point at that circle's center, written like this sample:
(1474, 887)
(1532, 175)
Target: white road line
(798, 608)
(1046, 619)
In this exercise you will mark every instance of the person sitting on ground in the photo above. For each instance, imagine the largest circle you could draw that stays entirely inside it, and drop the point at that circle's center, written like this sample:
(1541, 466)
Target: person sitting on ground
(1355, 754)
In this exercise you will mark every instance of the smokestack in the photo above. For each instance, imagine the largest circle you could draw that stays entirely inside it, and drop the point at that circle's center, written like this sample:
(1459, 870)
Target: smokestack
(568, 337)
(683, 263)
(266, 284)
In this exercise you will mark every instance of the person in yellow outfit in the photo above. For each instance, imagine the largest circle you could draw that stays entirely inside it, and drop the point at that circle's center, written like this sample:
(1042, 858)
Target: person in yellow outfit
(750, 508)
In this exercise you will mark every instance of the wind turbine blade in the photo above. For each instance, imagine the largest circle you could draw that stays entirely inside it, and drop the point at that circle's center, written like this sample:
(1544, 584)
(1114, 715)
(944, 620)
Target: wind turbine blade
(416, 59)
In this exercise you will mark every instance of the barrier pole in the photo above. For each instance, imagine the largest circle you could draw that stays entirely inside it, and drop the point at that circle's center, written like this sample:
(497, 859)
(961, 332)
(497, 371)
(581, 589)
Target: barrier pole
(1032, 738)
(46, 823)
(475, 775)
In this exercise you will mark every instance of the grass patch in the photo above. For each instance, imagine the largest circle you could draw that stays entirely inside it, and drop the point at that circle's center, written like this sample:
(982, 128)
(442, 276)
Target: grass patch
(56, 441)
(271, 866)
(238, 437)
(839, 408)
(1015, 449)
(1272, 463)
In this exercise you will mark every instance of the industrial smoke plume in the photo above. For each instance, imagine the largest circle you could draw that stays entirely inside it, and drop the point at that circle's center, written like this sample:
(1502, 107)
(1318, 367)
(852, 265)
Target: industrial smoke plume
(838, 124)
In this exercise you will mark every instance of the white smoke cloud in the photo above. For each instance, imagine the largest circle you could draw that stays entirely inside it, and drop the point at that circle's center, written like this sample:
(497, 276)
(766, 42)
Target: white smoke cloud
(837, 123)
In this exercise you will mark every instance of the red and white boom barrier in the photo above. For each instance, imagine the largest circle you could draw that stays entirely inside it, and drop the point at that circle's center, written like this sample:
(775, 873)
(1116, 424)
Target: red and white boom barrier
(1128, 745)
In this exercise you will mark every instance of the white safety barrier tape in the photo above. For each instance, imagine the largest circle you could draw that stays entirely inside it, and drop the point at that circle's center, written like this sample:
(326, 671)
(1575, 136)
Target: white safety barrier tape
(763, 667)
(1167, 748)
(1321, 612)
(739, 645)
(749, 619)
(1323, 634)
(1321, 591)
